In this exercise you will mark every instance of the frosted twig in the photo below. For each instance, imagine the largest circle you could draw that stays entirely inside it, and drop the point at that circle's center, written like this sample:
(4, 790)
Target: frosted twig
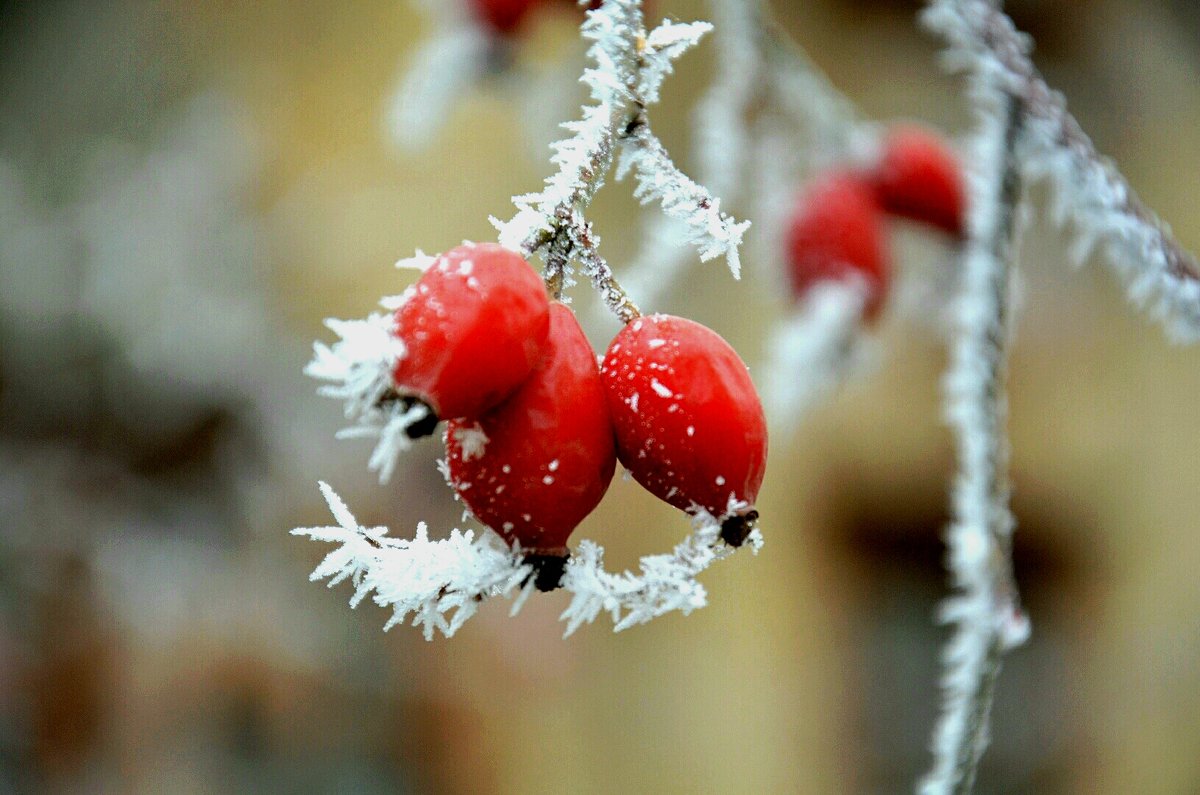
(711, 231)
(429, 579)
(769, 117)
(1159, 274)
(629, 69)
(583, 242)
(985, 609)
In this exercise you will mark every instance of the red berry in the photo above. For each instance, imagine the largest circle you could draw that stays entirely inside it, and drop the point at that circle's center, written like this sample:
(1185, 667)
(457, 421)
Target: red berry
(837, 232)
(549, 453)
(502, 16)
(920, 178)
(474, 327)
(690, 426)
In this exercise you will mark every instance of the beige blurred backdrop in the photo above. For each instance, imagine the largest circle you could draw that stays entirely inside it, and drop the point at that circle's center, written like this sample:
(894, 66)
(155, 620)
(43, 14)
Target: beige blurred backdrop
(188, 189)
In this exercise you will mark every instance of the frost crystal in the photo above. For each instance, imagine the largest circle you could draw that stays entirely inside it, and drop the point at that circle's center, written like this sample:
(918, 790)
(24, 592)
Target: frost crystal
(624, 81)
(359, 367)
(1159, 275)
(472, 440)
(429, 579)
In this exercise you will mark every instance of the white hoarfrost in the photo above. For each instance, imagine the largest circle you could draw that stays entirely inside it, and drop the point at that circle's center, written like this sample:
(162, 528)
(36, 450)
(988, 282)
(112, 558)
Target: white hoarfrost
(1088, 191)
(439, 583)
(629, 68)
(442, 583)
(359, 368)
(472, 440)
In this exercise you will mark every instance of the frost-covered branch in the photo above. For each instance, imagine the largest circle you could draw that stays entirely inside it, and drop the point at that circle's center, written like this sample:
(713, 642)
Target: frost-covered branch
(629, 67)
(711, 231)
(1159, 274)
(985, 608)
(442, 583)
(584, 243)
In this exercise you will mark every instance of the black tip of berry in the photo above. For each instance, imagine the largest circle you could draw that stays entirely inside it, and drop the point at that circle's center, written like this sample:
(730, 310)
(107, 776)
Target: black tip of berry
(548, 571)
(735, 529)
(424, 426)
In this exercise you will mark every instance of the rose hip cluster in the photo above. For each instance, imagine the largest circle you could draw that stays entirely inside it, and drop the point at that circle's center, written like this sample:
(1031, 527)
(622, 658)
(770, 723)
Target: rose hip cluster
(536, 426)
(837, 229)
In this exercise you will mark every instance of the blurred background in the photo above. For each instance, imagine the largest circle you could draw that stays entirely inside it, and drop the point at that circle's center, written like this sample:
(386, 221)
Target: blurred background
(188, 189)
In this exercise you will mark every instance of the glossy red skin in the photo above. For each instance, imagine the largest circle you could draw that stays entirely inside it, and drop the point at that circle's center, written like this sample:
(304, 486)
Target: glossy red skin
(920, 177)
(473, 327)
(710, 392)
(554, 437)
(503, 16)
(837, 231)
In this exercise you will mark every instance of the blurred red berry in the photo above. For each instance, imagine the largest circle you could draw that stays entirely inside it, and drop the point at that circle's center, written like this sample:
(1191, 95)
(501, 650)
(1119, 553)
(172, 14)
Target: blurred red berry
(473, 326)
(836, 233)
(689, 423)
(502, 16)
(537, 464)
(920, 177)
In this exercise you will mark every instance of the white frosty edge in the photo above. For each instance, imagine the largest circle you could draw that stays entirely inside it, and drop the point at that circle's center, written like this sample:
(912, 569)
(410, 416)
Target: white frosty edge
(429, 579)
(359, 368)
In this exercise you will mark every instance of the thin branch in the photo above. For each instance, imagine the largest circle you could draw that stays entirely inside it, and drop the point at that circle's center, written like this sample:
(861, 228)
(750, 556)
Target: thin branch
(659, 179)
(630, 67)
(1159, 274)
(986, 608)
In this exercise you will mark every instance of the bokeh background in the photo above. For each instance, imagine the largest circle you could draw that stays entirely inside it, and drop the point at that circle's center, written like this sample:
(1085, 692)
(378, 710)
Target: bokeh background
(188, 189)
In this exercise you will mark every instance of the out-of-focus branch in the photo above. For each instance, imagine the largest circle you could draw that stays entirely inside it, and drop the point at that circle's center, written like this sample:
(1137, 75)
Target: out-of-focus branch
(1158, 272)
(985, 608)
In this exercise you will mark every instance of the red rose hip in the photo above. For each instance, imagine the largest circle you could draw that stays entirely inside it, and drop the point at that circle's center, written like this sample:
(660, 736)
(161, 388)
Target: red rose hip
(689, 423)
(473, 327)
(919, 177)
(837, 233)
(502, 16)
(537, 464)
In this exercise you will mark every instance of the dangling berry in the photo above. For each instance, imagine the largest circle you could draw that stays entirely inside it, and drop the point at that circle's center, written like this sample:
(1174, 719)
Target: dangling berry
(537, 464)
(690, 426)
(502, 16)
(473, 327)
(837, 233)
(919, 177)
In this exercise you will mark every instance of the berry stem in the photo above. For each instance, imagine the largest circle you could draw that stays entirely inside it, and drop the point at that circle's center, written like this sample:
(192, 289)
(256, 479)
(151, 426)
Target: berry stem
(598, 270)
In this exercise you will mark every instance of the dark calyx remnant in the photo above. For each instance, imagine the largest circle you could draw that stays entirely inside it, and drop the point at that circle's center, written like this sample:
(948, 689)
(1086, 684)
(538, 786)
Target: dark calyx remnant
(548, 571)
(422, 427)
(735, 529)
